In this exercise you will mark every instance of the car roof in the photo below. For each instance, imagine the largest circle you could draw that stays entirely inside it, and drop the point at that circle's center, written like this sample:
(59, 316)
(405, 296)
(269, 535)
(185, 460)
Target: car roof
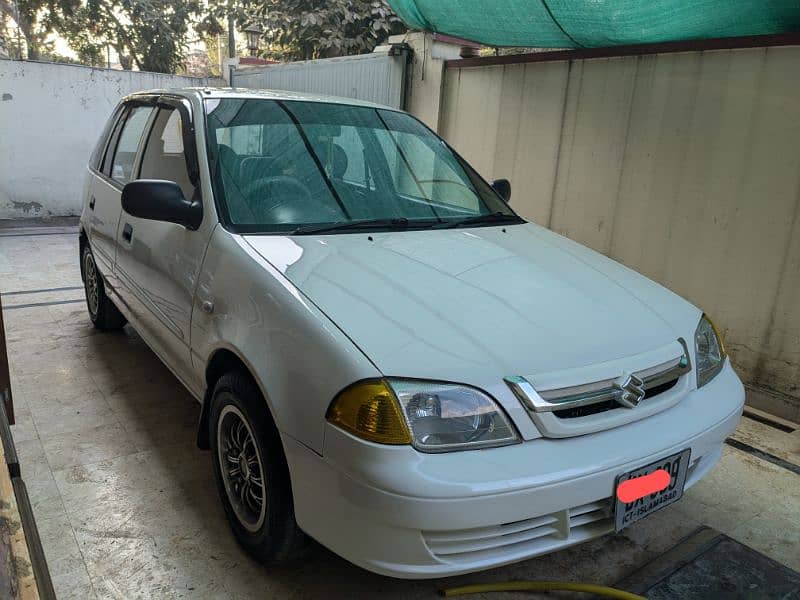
(218, 92)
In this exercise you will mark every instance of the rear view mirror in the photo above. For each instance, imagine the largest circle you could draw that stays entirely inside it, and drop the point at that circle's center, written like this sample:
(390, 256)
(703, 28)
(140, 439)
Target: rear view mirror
(159, 200)
(503, 188)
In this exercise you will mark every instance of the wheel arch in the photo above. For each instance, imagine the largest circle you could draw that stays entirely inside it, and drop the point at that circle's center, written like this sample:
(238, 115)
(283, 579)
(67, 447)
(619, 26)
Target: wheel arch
(224, 360)
(83, 241)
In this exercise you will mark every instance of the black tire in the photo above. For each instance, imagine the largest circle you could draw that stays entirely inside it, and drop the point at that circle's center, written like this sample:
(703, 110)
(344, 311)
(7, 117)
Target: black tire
(267, 531)
(104, 315)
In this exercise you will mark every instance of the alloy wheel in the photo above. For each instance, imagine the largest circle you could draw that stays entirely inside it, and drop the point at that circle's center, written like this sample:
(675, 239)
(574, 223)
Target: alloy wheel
(91, 284)
(241, 467)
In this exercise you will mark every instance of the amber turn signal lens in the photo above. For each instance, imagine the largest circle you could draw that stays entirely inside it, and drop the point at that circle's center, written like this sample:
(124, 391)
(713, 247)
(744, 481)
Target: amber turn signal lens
(370, 411)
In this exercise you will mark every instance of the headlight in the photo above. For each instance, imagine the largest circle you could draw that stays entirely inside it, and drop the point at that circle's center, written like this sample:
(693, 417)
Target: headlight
(434, 417)
(444, 416)
(710, 351)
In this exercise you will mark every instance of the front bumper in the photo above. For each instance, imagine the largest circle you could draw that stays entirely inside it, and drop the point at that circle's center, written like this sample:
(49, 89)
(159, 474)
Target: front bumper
(398, 512)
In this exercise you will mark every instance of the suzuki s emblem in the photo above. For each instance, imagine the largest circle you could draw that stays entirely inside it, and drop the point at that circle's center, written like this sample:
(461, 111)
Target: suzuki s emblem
(632, 390)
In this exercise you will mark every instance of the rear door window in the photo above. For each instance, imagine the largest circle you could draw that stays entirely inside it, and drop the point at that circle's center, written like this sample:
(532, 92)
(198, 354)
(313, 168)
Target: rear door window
(128, 143)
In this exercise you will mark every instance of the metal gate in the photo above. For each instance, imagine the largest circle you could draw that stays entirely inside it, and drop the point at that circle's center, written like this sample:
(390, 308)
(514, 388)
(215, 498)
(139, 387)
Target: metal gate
(378, 77)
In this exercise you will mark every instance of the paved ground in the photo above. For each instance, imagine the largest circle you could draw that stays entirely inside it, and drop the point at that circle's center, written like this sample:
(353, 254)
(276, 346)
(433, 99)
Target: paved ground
(126, 504)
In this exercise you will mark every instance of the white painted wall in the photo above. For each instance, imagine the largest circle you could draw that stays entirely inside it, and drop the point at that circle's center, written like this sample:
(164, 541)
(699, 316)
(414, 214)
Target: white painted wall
(50, 118)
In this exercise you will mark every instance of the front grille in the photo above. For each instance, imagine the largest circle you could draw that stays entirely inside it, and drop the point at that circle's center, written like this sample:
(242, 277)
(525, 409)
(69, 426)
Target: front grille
(593, 409)
(569, 402)
(598, 396)
(528, 537)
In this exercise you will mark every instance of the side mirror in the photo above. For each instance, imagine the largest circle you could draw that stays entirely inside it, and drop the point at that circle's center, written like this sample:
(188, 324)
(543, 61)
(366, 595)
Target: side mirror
(503, 188)
(159, 200)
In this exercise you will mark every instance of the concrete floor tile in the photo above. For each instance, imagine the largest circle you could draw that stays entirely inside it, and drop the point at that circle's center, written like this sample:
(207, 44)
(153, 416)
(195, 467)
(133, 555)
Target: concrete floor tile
(21, 332)
(59, 543)
(140, 392)
(170, 428)
(779, 443)
(56, 414)
(40, 387)
(21, 406)
(33, 461)
(776, 535)
(156, 414)
(74, 585)
(42, 489)
(118, 483)
(44, 297)
(46, 504)
(733, 493)
(26, 319)
(124, 567)
(78, 389)
(81, 332)
(42, 343)
(81, 418)
(28, 366)
(187, 511)
(23, 428)
(87, 446)
(741, 479)
(139, 380)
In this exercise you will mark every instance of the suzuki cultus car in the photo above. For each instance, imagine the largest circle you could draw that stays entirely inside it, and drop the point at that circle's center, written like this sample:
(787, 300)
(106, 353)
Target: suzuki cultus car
(389, 359)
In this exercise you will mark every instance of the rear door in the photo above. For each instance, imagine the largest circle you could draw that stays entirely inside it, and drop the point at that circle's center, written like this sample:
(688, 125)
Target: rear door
(110, 175)
(158, 262)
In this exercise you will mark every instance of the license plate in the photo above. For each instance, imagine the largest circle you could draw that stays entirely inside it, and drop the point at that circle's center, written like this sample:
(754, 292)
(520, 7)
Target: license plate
(676, 465)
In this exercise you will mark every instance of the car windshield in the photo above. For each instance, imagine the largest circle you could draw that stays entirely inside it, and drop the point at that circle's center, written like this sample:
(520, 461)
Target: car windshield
(304, 167)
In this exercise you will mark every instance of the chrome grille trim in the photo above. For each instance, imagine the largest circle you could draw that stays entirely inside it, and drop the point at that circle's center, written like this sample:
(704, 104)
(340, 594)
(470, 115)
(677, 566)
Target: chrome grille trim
(598, 391)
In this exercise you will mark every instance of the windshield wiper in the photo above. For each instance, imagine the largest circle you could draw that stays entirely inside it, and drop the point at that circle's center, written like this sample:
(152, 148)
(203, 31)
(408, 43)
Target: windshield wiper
(395, 223)
(495, 217)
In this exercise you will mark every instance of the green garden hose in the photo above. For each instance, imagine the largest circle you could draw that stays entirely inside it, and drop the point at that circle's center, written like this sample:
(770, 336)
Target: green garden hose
(540, 586)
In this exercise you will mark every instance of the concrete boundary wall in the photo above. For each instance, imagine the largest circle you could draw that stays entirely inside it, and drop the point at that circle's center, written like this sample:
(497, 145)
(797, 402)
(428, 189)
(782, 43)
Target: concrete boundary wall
(50, 118)
(683, 166)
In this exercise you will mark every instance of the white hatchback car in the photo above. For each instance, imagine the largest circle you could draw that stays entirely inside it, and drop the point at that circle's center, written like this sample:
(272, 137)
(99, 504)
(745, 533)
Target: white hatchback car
(389, 359)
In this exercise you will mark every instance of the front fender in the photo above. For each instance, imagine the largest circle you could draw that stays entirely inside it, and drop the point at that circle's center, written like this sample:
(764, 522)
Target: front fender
(297, 355)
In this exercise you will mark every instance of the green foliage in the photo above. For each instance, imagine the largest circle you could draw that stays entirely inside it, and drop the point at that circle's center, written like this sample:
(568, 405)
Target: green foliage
(36, 19)
(305, 29)
(153, 35)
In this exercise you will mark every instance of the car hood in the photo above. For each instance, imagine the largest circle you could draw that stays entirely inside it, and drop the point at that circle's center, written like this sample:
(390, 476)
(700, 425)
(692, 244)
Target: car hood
(467, 304)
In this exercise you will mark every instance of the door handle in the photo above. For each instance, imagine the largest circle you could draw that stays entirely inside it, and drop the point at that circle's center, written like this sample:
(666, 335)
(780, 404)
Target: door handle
(91, 203)
(127, 232)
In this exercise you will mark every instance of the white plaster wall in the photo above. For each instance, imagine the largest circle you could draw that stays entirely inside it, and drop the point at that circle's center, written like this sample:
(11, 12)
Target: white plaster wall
(50, 118)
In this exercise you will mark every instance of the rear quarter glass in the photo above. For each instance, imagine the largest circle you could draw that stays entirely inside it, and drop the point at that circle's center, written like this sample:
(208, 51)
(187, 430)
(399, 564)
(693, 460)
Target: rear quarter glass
(95, 161)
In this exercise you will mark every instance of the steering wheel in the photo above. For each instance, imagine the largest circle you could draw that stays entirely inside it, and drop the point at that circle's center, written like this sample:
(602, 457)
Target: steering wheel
(294, 200)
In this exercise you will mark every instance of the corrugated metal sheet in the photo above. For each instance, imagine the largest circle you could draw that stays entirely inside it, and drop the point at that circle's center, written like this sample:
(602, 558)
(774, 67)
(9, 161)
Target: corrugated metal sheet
(377, 77)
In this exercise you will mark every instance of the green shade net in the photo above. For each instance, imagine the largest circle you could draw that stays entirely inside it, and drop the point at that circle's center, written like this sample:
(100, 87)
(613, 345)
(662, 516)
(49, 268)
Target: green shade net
(597, 23)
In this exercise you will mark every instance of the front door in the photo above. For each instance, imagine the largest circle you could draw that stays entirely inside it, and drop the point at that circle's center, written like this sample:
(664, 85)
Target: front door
(157, 262)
